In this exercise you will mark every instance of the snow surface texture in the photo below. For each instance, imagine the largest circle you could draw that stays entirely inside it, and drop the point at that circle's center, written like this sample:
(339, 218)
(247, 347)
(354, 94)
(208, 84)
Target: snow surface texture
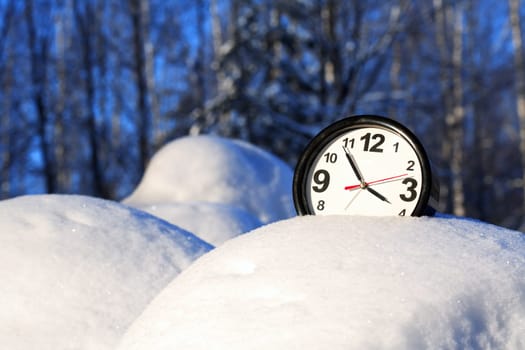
(215, 223)
(78, 270)
(210, 169)
(347, 283)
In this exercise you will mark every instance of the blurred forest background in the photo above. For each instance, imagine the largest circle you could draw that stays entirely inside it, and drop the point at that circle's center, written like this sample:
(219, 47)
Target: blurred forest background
(90, 89)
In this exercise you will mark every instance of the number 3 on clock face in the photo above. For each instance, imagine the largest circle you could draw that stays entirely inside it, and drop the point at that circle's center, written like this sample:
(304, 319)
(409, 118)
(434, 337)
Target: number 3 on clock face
(365, 165)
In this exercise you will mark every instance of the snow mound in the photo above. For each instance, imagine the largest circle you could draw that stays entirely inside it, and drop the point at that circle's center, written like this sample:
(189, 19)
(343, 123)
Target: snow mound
(218, 170)
(215, 223)
(78, 270)
(347, 283)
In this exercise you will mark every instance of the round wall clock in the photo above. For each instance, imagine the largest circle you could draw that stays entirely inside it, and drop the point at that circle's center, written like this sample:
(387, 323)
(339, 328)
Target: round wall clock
(364, 165)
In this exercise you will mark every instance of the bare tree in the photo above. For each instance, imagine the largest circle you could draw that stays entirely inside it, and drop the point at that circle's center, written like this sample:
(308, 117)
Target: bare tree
(86, 20)
(6, 141)
(519, 63)
(7, 17)
(455, 119)
(84, 106)
(449, 32)
(38, 44)
(139, 12)
(6, 66)
(200, 70)
(62, 38)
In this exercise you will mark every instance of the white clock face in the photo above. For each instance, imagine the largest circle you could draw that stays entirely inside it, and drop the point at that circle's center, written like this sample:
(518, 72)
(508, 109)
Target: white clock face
(365, 171)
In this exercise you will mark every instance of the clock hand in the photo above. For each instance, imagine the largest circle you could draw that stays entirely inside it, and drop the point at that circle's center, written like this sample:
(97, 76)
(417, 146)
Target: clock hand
(354, 166)
(352, 200)
(378, 195)
(361, 179)
(397, 177)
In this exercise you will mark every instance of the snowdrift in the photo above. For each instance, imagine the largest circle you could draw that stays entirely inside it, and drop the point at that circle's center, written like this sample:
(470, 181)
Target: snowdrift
(347, 283)
(209, 169)
(213, 222)
(76, 271)
(84, 273)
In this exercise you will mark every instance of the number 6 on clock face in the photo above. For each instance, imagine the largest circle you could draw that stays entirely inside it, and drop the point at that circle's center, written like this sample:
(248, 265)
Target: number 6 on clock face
(364, 165)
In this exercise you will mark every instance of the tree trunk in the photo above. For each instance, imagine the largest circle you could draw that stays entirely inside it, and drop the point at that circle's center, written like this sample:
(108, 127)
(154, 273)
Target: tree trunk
(452, 96)
(152, 111)
(139, 24)
(457, 116)
(395, 83)
(519, 60)
(62, 38)
(199, 66)
(38, 50)
(5, 25)
(6, 69)
(6, 138)
(87, 37)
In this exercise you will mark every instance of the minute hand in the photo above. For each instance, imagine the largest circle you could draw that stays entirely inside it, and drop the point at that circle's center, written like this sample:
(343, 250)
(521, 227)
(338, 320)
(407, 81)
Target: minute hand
(354, 166)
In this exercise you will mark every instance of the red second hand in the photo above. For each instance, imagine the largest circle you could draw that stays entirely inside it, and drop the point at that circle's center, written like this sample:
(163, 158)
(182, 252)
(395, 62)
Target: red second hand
(353, 187)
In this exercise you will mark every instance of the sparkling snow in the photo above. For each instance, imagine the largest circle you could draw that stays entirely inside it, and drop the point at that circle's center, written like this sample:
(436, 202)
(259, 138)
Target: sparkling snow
(347, 283)
(78, 271)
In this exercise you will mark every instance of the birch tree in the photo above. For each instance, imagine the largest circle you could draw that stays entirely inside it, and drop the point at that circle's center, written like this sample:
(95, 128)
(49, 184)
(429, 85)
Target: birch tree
(449, 32)
(455, 118)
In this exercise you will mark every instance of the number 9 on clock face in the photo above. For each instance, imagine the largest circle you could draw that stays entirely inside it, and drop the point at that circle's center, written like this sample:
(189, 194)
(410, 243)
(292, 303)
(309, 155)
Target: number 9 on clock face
(364, 165)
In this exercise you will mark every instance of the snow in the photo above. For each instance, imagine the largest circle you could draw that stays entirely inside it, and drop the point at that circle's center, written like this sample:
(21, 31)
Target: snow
(347, 283)
(212, 169)
(222, 222)
(85, 273)
(78, 270)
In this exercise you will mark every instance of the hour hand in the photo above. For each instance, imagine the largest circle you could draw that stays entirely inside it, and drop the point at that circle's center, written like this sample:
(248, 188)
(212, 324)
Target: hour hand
(377, 194)
(354, 166)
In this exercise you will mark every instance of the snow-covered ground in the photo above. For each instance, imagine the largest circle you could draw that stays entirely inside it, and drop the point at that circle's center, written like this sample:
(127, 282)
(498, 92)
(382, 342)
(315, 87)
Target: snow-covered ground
(347, 283)
(231, 186)
(77, 271)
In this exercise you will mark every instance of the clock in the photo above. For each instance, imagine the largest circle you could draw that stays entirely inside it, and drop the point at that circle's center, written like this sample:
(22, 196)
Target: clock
(365, 165)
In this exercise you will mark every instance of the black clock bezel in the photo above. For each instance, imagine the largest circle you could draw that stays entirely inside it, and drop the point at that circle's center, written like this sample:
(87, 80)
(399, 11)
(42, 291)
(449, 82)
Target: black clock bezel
(429, 187)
